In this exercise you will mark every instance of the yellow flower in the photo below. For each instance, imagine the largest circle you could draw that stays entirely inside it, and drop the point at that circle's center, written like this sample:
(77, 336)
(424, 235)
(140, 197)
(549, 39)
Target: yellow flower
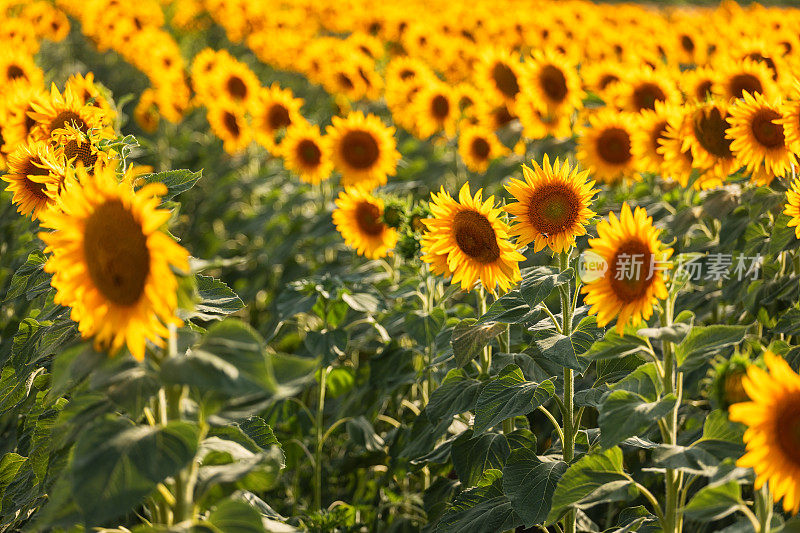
(64, 109)
(772, 437)
(747, 76)
(468, 239)
(364, 150)
(649, 135)
(552, 205)
(758, 138)
(499, 72)
(641, 88)
(605, 146)
(552, 81)
(228, 122)
(307, 153)
(34, 177)
(358, 217)
(435, 109)
(275, 110)
(634, 279)
(793, 206)
(478, 147)
(111, 262)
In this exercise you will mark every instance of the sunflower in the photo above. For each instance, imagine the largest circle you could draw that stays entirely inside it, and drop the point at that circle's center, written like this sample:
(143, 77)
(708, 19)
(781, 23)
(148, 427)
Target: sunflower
(552, 81)
(89, 93)
(18, 125)
(678, 160)
(793, 206)
(478, 146)
(758, 138)
(16, 65)
(307, 153)
(633, 280)
(146, 111)
(641, 88)
(228, 122)
(236, 82)
(110, 261)
(698, 84)
(649, 135)
(275, 110)
(538, 123)
(791, 120)
(499, 72)
(773, 425)
(704, 134)
(78, 148)
(600, 77)
(746, 76)
(34, 177)
(605, 146)
(435, 109)
(364, 149)
(468, 239)
(552, 205)
(359, 218)
(59, 110)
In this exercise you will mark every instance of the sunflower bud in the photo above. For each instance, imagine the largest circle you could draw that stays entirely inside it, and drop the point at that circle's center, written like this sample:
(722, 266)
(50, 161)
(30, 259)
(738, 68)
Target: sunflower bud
(415, 222)
(408, 246)
(726, 386)
(394, 213)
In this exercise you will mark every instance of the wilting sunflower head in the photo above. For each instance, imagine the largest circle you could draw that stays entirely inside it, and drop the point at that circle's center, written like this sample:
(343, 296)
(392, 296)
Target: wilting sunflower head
(35, 174)
(468, 239)
(634, 279)
(359, 218)
(605, 146)
(363, 150)
(78, 148)
(307, 153)
(111, 262)
(552, 205)
(772, 438)
(758, 138)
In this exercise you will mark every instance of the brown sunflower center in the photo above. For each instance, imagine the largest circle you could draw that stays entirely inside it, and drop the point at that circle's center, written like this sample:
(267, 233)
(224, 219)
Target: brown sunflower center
(237, 88)
(505, 80)
(608, 79)
(309, 152)
(479, 148)
(345, 82)
(702, 89)
(687, 43)
(406, 74)
(553, 83)
(440, 107)
(787, 430)
(614, 146)
(14, 72)
(278, 117)
(116, 253)
(709, 128)
(646, 95)
(231, 124)
(658, 133)
(475, 236)
(766, 132)
(66, 118)
(368, 218)
(80, 152)
(360, 149)
(553, 208)
(755, 56)
(740, 83)
(629, 271)
(502, 116)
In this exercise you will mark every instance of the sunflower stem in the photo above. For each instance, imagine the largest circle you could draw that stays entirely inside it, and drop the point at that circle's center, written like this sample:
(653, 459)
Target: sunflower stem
(486, 355)
(673, 522)
(568, 443)
(323, 377)
(764, 509)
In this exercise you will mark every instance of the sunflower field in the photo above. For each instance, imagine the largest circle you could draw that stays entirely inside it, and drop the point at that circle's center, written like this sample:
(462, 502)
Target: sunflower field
(421, 266)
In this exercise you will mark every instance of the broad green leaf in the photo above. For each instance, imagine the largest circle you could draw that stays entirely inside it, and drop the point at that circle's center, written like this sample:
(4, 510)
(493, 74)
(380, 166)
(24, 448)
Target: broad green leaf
(236, 516)
(539, 282)
(482, 508)
(456, 394)
(692, 460)
(595, 478)
(674, 333)
(624, 414)
(510, 308)
(567, 351)
(30, 279)
(10, 464)
(636, 519)
(472, 455)
(788, 323)
(614, 345)
(217, 300)
(177, 181)
(507, 395)
(721, 437)
(424, 327)
(530, 483)
(469, 338)
(643, 381)
(362, 433)
(116, 465)
(703, 343)
(714, 503)
(226, 461)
